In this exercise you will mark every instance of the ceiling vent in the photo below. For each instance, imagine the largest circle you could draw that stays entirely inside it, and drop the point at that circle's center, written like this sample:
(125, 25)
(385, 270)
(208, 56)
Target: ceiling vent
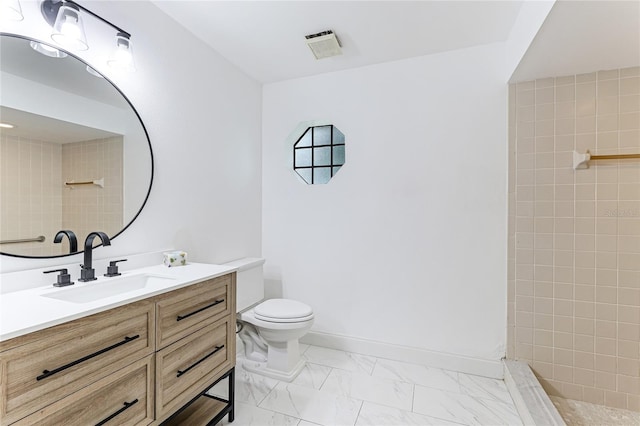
(324, 44)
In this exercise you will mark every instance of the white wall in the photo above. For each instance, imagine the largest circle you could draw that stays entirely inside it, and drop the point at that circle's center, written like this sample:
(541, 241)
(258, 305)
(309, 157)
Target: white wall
(203, 117)
(407, 244)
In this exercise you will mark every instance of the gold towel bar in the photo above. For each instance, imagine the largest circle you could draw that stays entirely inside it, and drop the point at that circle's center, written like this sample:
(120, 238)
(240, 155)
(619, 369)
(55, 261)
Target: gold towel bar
(581, 161)
(614, 157)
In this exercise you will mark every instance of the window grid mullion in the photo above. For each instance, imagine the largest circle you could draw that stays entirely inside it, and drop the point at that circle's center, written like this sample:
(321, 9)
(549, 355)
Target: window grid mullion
(313, 152)
(331, 145)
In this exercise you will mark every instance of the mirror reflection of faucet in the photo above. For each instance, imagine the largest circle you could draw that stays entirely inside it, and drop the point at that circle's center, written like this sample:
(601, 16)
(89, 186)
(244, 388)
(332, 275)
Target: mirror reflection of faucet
(73, 241)
(87, 273)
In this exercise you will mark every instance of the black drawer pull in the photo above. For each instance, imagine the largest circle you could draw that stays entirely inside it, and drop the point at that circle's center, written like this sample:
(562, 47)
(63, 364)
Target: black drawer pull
(47, 373)
(126, 405)
(181, 372)
(181, 317)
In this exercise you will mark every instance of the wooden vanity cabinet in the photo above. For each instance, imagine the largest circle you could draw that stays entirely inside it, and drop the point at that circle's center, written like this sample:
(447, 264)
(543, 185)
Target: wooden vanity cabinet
(189, 366)
(183, 311)
(124, 398)
(109, 368)
(196, 341)
(51, 364)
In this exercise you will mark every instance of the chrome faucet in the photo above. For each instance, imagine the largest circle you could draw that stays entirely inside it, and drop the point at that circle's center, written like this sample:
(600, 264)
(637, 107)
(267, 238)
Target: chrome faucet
(73, 241)
(87, 273)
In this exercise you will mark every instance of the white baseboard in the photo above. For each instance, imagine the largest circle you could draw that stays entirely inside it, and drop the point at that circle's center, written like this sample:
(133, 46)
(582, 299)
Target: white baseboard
(446, 361)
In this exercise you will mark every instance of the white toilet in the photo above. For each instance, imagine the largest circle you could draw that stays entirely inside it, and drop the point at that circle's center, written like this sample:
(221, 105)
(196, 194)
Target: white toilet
(270, 328)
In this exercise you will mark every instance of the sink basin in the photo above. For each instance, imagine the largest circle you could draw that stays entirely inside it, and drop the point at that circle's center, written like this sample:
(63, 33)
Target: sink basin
(107, 287)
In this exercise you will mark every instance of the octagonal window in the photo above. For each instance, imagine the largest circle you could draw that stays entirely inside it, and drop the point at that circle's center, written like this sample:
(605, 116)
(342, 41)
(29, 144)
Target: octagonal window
(318, 154)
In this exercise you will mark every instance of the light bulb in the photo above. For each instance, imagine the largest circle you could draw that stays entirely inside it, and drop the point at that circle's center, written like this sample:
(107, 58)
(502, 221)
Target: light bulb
(68, 30)
(122, 56)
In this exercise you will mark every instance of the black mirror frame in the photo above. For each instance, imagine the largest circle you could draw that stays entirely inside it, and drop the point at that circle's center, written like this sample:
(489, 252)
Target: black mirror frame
(146, 198)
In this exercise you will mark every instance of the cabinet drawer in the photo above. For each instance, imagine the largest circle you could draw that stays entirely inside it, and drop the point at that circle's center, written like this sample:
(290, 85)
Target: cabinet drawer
(186, 368)
(183, 311)
(124, 398)
(58, 361)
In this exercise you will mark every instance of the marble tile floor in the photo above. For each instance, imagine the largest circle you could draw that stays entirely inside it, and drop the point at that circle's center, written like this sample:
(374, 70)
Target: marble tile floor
(341, 388)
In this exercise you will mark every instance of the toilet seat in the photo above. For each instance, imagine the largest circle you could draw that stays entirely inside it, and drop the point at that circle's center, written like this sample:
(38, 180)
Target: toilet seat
(283, 311)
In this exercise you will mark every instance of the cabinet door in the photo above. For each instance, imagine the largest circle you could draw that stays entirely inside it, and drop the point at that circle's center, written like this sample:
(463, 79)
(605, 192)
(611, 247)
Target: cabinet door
(183, 311)
(187, 367)
(124, 398)
(51, 364)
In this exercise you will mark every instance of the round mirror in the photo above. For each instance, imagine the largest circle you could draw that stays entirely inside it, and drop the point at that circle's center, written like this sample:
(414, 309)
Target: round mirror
(74, 153)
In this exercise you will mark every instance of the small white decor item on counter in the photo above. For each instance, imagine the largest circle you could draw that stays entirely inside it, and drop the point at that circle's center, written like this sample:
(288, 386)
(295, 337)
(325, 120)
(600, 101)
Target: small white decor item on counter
(175, 258)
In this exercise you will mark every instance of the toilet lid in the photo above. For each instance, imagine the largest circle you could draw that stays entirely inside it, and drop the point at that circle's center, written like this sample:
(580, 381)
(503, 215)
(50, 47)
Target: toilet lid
(282, 309)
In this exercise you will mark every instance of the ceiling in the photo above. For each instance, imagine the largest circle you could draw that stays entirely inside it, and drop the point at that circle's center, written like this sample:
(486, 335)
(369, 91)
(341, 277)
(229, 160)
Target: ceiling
(583, 36)
(266, 38)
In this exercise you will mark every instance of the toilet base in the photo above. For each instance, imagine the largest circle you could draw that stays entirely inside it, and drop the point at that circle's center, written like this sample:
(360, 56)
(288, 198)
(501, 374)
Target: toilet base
(261, 368)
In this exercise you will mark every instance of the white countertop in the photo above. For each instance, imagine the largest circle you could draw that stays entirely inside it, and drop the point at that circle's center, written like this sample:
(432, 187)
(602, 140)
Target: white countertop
(28, 310)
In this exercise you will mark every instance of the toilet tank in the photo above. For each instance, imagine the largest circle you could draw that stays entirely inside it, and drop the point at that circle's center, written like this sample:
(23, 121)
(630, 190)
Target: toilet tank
(249, 282)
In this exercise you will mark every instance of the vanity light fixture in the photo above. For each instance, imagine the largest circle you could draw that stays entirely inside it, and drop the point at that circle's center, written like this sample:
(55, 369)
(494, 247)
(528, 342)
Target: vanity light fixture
(47, 50)
(122, 56)
(65, 16)
(68, 30)
(10, 10)
(6, 126)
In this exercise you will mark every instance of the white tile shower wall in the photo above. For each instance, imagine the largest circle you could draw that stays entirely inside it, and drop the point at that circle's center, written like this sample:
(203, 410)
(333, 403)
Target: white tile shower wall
(574, 255)
(30, 194)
